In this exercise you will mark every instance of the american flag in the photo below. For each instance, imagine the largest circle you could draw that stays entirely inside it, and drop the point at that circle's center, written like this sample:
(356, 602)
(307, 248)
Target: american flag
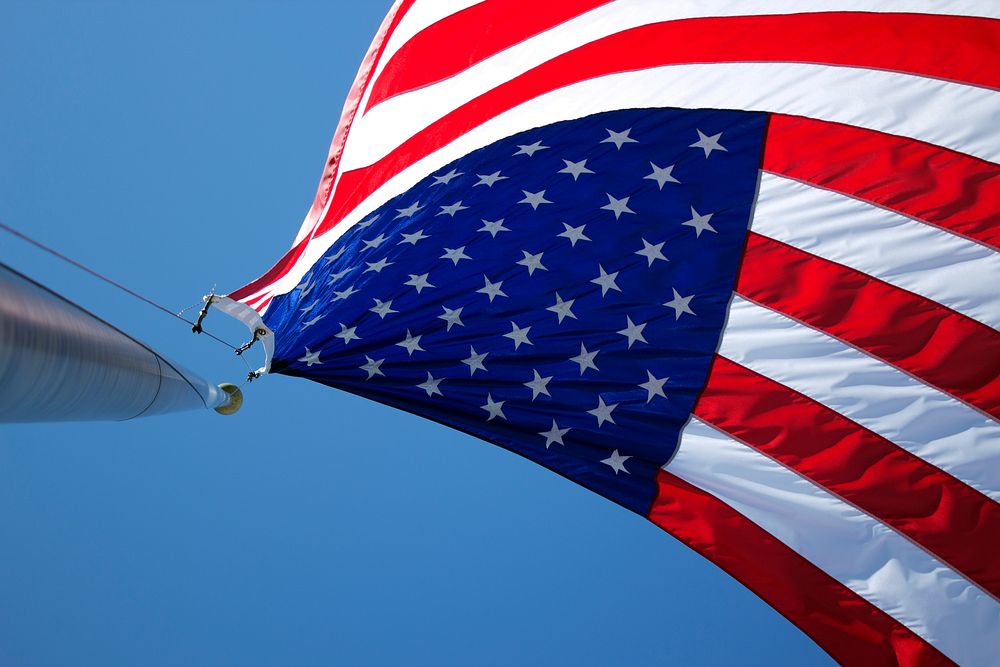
(732, 265)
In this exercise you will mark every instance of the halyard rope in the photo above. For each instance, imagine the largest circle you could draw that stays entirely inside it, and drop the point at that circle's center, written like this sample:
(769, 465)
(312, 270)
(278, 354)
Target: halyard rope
(38, 244)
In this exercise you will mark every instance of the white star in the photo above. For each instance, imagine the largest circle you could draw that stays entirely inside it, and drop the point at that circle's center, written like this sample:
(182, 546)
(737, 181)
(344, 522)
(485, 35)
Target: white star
(536, 199)
(585, 359)
(562, 308)
(700, 223)
(343, 294)
(575, 169)
(430, 385)
(617, 462)
(368, 222)
(452, 317)
(411, 344)
(382, 309)
(334, 277)
(378, 266)
(606, 281)
(554, 434)
(373, 243)
(680, 304)
(373, 367)
(495, 408)
(306, 325)
(306, 309)
(654, 386)
(418, 282)
(491, 290)
(661, 176)
(347, 333)
(455, 254)
(530, 149)
(518, 335)
(538, 385)
(475, 361)
(305, 288)
(452, 209)
(617, 206)
(633, 332)
(489, 179)
(414, 237)
(311, 358)
(334, 256)
(409, 210)
(447, 178)
(619, 138)
(709, 144)
(532, 262)
(603, 412)
(574, 234)
(494, 227)
(652, 252)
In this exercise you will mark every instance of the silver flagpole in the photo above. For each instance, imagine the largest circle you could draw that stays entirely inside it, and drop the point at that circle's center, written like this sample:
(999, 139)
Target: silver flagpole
(59, 362)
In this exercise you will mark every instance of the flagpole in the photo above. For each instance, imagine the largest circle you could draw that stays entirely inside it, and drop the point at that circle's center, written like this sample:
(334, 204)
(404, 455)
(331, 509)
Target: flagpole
(59, 362)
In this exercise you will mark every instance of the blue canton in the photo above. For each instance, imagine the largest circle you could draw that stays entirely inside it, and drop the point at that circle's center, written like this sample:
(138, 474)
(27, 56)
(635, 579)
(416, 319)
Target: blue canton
(560, 293)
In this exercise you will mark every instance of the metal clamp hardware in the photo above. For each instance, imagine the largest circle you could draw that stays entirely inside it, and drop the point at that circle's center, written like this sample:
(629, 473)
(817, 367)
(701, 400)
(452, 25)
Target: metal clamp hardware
(203, 313)
(258, 333)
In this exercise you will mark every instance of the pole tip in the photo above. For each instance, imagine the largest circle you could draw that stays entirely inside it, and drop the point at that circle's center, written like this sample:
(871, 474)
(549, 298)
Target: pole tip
(235, 401)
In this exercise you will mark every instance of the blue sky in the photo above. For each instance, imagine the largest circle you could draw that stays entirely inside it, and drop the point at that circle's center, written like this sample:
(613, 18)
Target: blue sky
(176, 146)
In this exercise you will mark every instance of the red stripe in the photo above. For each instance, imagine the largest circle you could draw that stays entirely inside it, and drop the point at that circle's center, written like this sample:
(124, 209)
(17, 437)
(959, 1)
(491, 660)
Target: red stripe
(950, 47)
(260, 303)
(939, 186)
(796, 37)
(935, 344)
(351, 105)
(329, 176)
(948, 518)
(273, 274)
(469, 37)
(845, 625)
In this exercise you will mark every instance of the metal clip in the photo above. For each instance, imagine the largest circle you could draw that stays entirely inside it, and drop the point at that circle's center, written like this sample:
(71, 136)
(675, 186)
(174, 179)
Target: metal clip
(209, 300)
(258, 333)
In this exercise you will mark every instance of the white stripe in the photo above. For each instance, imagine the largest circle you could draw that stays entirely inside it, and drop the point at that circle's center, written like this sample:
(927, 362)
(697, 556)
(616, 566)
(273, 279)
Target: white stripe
(921, 258)
(833, 94)
(866, 556)
(922, 420)
(626, 14)
(421, 16)
(948, 114)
